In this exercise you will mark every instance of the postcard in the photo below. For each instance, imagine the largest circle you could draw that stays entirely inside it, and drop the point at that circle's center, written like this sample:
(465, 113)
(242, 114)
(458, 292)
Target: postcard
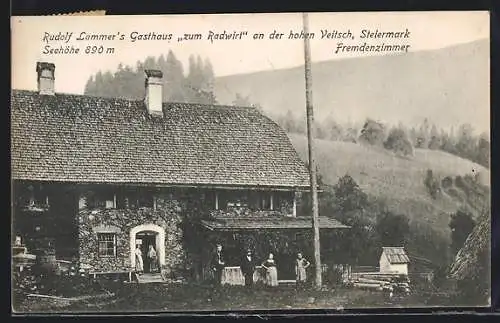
(250, 162)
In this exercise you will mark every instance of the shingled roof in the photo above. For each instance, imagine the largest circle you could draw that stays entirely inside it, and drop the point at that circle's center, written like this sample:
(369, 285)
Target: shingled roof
(78, 138)
(255, 223)
(396, 255)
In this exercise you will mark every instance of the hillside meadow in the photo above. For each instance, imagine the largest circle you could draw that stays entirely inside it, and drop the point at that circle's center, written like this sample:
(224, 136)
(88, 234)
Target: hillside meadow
(399, 181)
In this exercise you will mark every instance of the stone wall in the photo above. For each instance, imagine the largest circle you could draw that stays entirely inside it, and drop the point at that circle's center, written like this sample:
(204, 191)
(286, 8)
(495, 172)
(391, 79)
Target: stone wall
(120, 221)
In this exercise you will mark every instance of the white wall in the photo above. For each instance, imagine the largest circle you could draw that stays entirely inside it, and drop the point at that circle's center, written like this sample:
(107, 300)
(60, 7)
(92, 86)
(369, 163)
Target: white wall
(386, 267)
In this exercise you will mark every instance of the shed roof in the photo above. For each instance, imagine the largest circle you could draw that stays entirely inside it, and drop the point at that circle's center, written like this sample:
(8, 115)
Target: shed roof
(396, 255)
(79, 138)
(250, 223)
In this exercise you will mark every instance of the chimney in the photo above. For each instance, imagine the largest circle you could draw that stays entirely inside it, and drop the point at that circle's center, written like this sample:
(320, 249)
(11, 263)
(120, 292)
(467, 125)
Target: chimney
(154, 89)
(45, 78)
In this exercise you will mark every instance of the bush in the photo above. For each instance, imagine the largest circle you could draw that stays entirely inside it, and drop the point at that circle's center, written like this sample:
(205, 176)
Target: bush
(447, 182)
(40, 279)
(373, 133)
(393, 229)
(398, 142)
(432, 184)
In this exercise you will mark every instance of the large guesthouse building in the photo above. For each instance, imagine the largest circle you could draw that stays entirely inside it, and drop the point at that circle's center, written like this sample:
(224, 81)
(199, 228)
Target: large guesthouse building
(94, 177)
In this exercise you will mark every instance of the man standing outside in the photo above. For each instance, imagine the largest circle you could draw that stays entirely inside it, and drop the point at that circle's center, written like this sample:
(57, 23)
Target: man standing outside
(248, 268)
(218, 264)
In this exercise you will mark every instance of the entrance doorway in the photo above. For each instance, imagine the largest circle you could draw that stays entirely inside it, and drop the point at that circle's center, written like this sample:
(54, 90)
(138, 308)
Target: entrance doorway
(146, 235)
(145, 239)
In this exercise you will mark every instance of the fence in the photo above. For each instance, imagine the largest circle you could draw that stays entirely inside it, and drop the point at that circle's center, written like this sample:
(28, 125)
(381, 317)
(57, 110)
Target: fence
(234, 276)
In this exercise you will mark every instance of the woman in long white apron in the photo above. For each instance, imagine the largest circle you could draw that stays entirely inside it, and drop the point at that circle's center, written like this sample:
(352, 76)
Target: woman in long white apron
(139, 263)
(271, 271)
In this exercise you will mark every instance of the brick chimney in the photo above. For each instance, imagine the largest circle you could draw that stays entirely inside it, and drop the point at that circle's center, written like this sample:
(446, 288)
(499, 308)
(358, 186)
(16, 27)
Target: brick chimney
(45, 78)
(154, 92)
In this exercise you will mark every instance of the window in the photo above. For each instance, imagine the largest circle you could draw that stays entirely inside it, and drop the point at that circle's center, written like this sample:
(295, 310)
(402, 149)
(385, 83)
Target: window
(233, 199)
(136, 198)
(267, 201)
(34, 196)
(263, 201)
(101, 198)
(107, 244)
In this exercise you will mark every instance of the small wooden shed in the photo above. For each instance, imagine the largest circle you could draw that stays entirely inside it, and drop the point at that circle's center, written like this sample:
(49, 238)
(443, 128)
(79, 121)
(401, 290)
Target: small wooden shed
(394, 260)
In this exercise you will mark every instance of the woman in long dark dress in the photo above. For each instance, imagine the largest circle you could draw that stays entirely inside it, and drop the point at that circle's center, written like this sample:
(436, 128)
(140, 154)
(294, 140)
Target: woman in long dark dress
(271, 272)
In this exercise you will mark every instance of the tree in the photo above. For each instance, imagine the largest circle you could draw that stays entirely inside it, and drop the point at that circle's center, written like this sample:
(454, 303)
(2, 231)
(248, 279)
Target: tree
(320, 132)
(90, 88)
(350, 134)
(393, 229)
(150, 63)
(332, 129)
(195, 75)
(461, 225)
(412, 136)
(398, 142)
(199, 82)
(373, 133)
(349, 202)
(349, 196)
(448, 142)
(208, 76)
(289, 123)
(173, 79)
(466, 143)
(432, 184)
(99, 84)
(483, 150)
(435, 139)
(241, 101)
(423, 135)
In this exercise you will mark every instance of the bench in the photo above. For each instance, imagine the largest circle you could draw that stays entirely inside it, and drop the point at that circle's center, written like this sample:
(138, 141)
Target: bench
(115, 272)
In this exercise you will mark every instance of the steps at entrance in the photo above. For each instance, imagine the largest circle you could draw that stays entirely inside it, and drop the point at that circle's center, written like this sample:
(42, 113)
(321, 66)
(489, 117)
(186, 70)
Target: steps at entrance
(287, 283)
(150, 278)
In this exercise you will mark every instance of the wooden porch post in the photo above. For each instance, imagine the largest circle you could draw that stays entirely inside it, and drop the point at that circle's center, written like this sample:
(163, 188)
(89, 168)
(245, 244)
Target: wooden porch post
(294, 210)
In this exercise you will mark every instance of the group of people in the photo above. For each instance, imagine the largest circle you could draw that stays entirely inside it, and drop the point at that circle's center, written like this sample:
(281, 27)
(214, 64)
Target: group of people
(248, 266)
(152, 260)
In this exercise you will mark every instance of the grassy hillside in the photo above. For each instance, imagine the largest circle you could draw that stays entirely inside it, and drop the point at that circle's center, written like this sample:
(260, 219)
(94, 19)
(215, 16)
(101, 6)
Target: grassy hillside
(400, 181)
(450, 86)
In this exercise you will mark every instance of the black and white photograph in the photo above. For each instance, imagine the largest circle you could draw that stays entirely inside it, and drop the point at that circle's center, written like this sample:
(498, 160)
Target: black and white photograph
(250, 162)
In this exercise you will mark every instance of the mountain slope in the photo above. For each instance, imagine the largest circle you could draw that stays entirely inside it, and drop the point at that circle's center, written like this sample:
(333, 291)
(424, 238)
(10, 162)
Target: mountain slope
(449, 86)
(399, 181)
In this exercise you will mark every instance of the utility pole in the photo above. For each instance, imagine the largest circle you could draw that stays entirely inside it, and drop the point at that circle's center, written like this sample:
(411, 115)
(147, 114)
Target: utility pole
(310, 140)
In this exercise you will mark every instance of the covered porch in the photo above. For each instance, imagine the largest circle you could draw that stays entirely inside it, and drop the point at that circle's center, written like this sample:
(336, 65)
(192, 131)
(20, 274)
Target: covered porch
(282, 236)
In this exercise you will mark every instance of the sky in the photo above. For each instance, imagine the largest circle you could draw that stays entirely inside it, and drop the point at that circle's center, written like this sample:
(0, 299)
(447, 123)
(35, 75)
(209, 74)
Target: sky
(428, 30)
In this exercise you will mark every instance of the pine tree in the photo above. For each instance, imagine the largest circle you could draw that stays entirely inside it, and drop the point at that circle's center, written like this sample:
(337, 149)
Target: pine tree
(90, 88)
(208, 76)
(99, 84)
(150, 63)
(435, 138)
(173, 79)
(483, 150)
(423, 135)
